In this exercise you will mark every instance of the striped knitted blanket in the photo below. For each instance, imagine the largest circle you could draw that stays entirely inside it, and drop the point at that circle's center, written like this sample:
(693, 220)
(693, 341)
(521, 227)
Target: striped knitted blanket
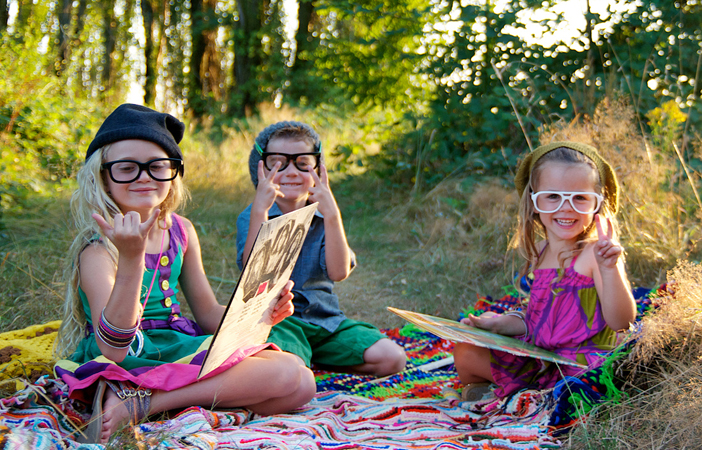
(419, 409)
(332, 420)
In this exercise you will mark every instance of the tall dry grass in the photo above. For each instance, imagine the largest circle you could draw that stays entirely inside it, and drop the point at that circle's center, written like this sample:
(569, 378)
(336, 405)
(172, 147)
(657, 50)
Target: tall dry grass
(663, 378)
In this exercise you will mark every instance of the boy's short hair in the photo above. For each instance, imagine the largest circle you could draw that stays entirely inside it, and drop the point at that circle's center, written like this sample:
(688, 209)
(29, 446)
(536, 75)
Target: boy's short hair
(287, 130)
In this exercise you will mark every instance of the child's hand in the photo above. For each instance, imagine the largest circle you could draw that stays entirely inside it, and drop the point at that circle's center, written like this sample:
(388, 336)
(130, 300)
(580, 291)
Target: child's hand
(321, 192)
(266, 191)
(607, 252)
(505, 324)
(128, 234)
(485, 321)
(284, 307)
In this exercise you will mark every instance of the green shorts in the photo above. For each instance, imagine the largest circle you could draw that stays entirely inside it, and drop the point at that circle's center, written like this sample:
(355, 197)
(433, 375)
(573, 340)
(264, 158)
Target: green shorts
(342, 347)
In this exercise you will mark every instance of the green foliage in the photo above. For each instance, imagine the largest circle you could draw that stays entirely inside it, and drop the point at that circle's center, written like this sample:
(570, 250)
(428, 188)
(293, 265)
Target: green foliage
(666, 122)
(41, 129)
(370, 50)
(486, 92)
(446, 88)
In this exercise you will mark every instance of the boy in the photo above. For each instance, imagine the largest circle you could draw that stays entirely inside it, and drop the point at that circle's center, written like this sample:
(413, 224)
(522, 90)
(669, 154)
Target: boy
(286, 166)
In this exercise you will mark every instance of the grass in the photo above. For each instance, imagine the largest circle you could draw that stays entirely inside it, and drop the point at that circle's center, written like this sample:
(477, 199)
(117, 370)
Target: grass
(663, 378)
(435, 251)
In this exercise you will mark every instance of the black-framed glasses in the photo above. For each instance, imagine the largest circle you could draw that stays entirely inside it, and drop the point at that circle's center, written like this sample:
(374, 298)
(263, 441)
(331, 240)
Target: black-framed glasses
(128, 170)
(303, 161)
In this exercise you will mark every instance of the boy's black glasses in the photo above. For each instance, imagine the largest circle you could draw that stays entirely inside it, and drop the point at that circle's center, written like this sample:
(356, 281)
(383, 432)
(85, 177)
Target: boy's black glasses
(303, 161)
(128, 171)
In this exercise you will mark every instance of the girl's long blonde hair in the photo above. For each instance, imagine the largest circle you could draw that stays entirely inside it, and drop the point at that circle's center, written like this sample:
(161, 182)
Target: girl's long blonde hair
(530, 228)
(92, 197)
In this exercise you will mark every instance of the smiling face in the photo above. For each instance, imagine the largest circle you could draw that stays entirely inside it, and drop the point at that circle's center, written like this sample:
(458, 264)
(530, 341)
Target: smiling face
(294, 184)
(566, 224)
(144, 194)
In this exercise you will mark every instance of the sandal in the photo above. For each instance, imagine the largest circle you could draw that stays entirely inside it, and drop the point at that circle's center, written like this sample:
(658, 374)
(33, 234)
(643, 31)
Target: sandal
(91, 435)
(136, 400)
(473, 392)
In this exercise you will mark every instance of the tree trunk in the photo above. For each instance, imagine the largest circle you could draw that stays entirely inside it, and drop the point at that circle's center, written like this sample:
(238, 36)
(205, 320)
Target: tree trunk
(109, 30)
(197, 107)
(63, 40)
(80, 22)
(204, 63)
(24, 12)
(4, 16)
(211, 75)
(590, 101)
(301, 78)
(151, 75)
(247, 45)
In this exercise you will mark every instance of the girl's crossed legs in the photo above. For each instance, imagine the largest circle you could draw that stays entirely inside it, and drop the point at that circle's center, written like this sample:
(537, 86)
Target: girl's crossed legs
(268, 382)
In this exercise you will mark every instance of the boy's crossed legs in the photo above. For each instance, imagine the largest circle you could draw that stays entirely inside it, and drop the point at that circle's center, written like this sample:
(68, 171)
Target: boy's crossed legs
(353, 347)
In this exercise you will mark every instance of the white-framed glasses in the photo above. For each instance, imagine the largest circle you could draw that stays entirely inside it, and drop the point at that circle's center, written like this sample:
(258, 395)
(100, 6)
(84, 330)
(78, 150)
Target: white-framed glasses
(551, 201)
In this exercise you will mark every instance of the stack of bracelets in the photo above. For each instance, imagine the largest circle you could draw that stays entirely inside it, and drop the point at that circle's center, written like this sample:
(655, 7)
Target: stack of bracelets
(113, 336)
(121, 338)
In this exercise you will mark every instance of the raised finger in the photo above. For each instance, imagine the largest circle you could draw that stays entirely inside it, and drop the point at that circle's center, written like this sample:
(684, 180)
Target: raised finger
(315, 178)
(323, 175)
(273, 171)
(261, 173)
(598, 224)
(146, 226)
(610, 229)
(102, 223)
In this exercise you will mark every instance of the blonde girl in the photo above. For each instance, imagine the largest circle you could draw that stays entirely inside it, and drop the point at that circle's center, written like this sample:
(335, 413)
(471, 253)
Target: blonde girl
(580, 295)
(129, 349)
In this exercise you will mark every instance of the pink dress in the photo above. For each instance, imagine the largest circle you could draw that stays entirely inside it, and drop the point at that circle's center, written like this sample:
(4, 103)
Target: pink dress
(564, 317)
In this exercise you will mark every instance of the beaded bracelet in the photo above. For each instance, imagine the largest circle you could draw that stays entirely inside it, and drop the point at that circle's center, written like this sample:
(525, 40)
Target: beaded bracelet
(115, 337)
(521, 316)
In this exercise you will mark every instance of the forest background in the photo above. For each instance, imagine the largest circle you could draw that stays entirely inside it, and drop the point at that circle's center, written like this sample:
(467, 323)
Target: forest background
(424, 107)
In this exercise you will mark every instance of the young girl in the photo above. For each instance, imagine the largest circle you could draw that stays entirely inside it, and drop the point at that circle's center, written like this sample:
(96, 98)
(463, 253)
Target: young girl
(580, 294)
(122, 314)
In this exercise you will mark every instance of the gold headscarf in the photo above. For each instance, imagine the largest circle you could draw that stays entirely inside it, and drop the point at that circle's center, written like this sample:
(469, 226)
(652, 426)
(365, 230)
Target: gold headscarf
(607, 176)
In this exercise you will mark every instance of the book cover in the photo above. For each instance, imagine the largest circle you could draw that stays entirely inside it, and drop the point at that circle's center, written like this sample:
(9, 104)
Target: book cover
(246, 321)
(460, 332)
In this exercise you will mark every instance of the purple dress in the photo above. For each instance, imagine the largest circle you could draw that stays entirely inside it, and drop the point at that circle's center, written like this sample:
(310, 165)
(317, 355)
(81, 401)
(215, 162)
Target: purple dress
(564, 317)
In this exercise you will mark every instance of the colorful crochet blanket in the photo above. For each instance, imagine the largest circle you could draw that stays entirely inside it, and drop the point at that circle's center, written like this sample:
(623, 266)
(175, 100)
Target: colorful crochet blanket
(419, 408)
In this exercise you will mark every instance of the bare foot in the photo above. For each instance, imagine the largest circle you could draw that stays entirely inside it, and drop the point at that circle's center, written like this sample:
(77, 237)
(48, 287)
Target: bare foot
(114, 415)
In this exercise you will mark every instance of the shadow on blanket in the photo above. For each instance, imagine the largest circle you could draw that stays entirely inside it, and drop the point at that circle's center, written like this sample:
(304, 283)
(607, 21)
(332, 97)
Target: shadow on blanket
(420, 405)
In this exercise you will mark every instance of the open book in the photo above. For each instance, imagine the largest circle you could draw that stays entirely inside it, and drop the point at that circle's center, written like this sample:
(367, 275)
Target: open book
(459, 332)
(246, 320)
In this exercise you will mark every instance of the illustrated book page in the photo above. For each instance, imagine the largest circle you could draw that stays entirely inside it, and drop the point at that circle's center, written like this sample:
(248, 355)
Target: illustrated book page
(460, 332)
(246, 320)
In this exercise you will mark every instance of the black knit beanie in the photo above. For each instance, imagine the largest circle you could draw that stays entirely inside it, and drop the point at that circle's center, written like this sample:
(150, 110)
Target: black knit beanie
(265, 136)
(130, 121)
